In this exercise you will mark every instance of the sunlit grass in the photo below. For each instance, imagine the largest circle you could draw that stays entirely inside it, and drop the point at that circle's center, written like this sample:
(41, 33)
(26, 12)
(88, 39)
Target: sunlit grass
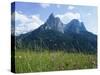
(30, 61)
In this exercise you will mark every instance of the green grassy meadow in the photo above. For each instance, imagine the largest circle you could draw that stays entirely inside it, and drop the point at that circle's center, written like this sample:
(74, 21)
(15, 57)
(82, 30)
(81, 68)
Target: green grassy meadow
(31, 61)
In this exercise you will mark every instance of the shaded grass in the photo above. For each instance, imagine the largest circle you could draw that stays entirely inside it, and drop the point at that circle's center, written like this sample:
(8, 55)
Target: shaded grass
(30, 61)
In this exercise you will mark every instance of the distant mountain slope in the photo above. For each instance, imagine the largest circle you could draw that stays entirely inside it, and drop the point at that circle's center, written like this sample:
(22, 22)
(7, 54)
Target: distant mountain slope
(75, 26)
(52, 35)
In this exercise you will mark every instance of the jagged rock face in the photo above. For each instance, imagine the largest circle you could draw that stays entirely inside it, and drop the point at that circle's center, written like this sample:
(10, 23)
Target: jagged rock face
(83, 27)
(75, 26)
(54, 23)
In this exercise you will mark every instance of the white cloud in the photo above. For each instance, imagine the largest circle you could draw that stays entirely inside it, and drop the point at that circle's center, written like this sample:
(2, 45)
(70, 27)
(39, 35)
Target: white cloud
(71, 7)
(89, 14)
(24, 23)
(44, 5)
(20, 17)
(68, 16)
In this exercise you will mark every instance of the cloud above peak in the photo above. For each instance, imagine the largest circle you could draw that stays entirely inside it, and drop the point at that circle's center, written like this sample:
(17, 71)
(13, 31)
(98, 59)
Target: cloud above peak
(68, 16)
(44, 5)
(71, 7)
(24, 23)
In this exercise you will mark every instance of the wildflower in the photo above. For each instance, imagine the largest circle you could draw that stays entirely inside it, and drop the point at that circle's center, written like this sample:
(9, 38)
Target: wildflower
(20, 57)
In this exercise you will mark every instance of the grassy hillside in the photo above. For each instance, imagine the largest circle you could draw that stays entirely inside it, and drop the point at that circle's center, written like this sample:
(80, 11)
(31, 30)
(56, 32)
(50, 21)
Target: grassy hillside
(30, 61)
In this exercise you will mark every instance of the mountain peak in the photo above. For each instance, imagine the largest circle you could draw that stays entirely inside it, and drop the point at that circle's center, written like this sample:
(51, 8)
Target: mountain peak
(83, 27)
(75, 26)
(54, 23)
(75, 21)
(51, 16)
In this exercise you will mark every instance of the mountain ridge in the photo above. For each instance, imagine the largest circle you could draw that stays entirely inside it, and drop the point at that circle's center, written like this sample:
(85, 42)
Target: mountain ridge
(53, 36)
(56, 24)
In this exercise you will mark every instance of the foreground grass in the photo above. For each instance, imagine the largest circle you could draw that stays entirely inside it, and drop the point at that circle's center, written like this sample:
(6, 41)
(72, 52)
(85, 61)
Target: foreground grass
(29, 61)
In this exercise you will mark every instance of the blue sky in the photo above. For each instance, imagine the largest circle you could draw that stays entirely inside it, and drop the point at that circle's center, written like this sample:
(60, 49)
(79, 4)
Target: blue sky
(29, 16)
